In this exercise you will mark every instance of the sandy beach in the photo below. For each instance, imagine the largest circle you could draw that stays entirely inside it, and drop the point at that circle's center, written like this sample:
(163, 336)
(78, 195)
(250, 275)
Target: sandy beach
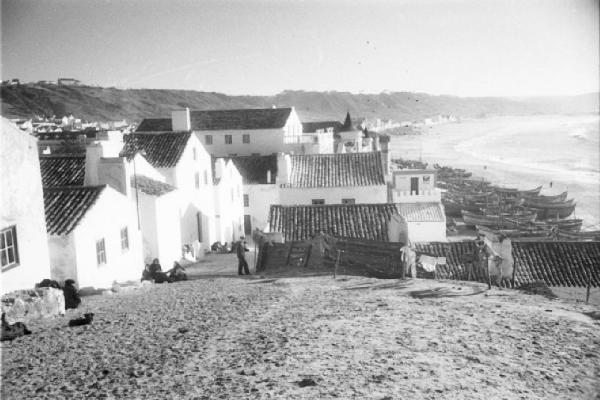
(522, 152)
(224, 337)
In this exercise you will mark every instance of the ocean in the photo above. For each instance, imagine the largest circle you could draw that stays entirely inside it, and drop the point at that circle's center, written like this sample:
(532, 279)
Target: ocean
(557, 152)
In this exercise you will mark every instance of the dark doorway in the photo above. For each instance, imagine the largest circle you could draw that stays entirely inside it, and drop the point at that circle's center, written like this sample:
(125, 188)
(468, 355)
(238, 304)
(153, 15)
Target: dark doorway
(247, 225)
(414, 185)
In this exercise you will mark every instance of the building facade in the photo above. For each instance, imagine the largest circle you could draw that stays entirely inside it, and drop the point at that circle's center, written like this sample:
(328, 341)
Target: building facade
(24, 253)
(229, 206)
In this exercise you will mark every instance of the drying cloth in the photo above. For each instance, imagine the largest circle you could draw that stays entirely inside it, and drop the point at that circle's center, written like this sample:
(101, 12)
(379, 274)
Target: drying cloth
(429, 262)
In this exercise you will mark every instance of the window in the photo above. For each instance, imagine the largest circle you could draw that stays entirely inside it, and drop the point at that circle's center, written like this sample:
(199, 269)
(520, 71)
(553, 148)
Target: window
(207, 139)
(246, 200)
(100, 252)
(194, 154)
(205, 177)
(197, 180)
(245, 138)
(9, 251)
(228, 139)
(348, 201)
(124, 240)
(318, 201)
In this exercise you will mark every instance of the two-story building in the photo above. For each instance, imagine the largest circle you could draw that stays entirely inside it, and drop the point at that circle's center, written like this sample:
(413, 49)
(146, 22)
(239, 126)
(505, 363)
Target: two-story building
(229, 206)
(184, 163)
(351, 178)
(240, 132)
(259, 174)
(24, 257)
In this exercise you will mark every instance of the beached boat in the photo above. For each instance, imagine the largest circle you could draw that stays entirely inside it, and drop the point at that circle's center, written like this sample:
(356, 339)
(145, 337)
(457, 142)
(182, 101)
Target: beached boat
(507, 221)
(516, 192)
(579, 236)
(531, 203)
(570, 225)
(559, 198)
(559, 211)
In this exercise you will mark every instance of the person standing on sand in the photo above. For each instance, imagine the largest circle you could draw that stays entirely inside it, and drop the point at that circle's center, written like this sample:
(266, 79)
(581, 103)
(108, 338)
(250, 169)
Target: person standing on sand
(241, 255)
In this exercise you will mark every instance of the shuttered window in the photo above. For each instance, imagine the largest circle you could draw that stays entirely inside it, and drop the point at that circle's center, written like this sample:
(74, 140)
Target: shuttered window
(9, 252)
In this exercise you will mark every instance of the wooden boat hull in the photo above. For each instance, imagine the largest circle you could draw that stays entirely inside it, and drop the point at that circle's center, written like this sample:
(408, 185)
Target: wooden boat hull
(559, 198)
(550, 213)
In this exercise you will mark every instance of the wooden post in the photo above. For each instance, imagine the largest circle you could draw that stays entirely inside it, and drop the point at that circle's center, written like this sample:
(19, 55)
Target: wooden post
(337, 261)
(402, 265)
(589, 285)
(487, 268)
(514, 273)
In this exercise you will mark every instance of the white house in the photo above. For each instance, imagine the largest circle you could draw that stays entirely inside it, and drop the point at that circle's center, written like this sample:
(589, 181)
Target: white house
(352, 178)
(229, 206)
(183, 162)
(241, 132)
(23, 241)
(422, 222)
(92, 235)
(259, 174)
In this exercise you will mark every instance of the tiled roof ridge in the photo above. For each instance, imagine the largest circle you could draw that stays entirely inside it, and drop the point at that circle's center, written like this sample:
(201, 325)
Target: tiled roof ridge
(243, 109)
(57, 188)
(62, 155)
(56, 221)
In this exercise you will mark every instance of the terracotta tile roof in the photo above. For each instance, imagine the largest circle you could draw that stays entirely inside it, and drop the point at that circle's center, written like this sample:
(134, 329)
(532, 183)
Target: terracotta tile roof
(66, 206)
(215, 120)
(421, 212)
(62, 170)
(151, 186)
(155, 125)
(557, 263)
(163, 150)
(254, 168)
(335, 170)
(311, 127)
(363, 221)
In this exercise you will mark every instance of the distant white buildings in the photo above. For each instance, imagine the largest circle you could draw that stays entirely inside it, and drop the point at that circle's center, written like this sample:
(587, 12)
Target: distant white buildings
(24, 256)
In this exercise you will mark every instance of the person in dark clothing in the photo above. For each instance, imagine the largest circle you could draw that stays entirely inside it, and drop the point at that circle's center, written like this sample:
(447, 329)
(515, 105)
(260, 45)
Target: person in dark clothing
(72, 299)
(241, 255)
(177, 273)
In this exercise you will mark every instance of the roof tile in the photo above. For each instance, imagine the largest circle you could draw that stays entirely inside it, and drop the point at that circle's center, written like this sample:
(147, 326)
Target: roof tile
(66, 206)
(336, 170)
(151, 186)
(62, 170)
(363, 221)
(421, 212)
(254, 168)
(163, 150)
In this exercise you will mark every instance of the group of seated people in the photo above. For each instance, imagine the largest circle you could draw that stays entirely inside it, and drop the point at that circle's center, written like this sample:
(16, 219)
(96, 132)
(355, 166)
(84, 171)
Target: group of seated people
(72, 298)
(223, 248)
(154, 272)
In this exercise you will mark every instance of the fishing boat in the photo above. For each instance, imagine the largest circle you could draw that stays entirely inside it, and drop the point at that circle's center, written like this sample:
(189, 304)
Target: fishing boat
(500, 221)
(531, 203)
(579, 236)
(559, 198)
(556, 211)
(569, 225)
(516, 192)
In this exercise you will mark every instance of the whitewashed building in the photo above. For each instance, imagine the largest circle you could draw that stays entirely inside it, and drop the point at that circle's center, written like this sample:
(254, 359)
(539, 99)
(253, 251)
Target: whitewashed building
(414, 186)
(259, 175)
(182, 161)
(24, 256)
(229, 206)
(353, 178)
(422, 222)
(241, 132)
(92, 235)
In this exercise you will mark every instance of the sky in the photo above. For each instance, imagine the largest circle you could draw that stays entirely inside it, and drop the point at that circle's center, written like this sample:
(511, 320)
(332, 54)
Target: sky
(458, 47)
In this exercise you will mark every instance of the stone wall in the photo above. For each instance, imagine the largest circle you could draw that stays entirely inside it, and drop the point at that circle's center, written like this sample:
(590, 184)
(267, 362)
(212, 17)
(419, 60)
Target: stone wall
(27, 305)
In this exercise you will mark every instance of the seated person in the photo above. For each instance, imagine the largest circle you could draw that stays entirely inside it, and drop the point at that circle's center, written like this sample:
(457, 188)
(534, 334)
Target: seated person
(177, 273)
(72, 299)
(146, 275)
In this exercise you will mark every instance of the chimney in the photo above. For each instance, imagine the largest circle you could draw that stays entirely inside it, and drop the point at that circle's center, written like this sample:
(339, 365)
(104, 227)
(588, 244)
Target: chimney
(219, 168)
(384, 142)
(180, 120)
(284, 167)
(93, 153)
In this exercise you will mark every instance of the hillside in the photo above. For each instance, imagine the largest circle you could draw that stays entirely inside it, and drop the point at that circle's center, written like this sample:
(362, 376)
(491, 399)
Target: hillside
(101, 104)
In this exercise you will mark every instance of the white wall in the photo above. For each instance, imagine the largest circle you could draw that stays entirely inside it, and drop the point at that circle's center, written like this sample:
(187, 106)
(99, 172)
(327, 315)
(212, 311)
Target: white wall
(262, 141)
(63, 263)
(194, 199)
(229, 206)
(260, 199)
(334, 195)
(22, 205)
(427, 231)
(111, 212)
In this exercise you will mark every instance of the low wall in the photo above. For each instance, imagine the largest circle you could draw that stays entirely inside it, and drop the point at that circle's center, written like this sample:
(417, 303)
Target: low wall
(27, 305)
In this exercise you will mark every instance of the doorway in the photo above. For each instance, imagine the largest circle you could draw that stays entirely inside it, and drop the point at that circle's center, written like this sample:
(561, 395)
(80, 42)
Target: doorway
(414, 185)
(247, 225)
